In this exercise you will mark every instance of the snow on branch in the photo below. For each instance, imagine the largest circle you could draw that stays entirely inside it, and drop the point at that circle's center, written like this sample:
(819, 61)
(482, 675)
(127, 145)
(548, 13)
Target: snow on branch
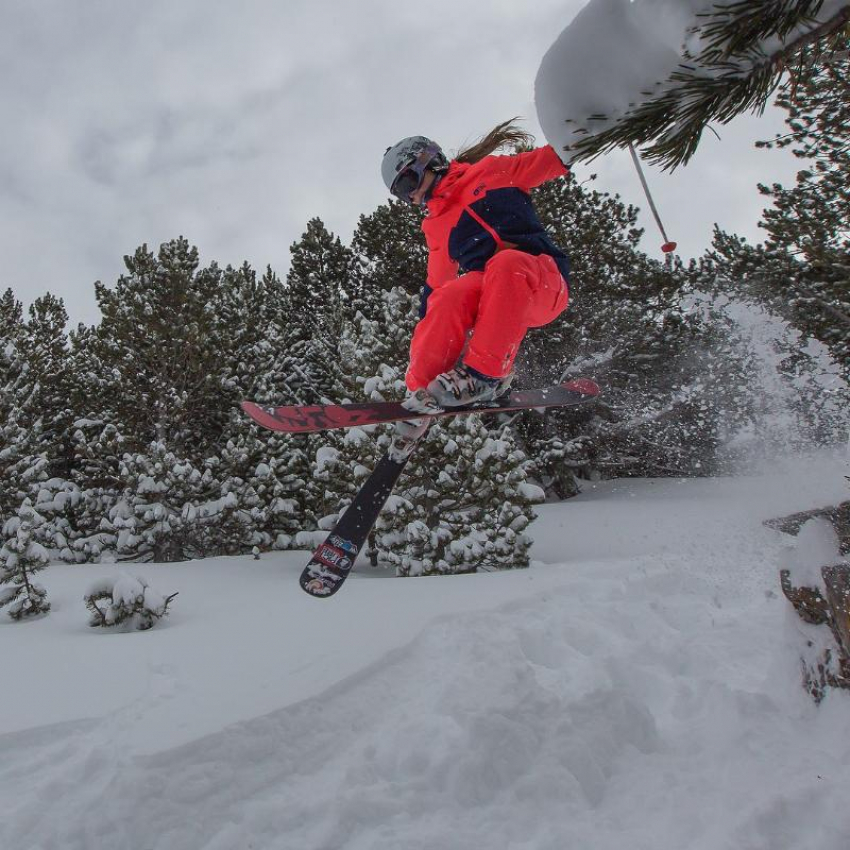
(660, 71)
(125, 600)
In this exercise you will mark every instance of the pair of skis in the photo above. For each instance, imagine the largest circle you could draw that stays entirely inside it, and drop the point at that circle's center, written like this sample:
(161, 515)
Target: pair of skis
(334, 558)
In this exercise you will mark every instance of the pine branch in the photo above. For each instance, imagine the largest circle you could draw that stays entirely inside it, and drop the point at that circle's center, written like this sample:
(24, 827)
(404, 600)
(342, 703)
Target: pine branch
(732, 75)
(824, 305)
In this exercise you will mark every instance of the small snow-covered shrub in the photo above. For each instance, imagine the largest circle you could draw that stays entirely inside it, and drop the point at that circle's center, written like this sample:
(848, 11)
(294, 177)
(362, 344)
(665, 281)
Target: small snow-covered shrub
(127, 601)
(20, 557)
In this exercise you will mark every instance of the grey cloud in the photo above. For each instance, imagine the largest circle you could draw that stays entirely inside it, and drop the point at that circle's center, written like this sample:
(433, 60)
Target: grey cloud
(135, 122)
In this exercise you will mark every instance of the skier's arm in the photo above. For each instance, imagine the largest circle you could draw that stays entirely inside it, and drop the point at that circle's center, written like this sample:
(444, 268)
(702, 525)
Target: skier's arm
(531, 168)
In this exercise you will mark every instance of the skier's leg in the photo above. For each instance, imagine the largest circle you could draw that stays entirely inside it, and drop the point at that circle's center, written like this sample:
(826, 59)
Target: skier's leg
(439, 338)
(519, 291)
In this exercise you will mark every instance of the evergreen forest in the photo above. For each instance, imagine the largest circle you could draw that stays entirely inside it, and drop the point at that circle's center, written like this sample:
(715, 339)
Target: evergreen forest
(125, 441)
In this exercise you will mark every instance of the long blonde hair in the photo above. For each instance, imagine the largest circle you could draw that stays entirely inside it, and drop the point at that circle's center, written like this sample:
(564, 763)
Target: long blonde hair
(502, 135)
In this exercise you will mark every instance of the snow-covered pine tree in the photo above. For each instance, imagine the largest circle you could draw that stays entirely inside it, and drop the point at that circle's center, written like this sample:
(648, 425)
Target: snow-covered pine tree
(15, 455)
(738, 53)
(391, 267)
(244, 314)
(254, 333)
(317, 306)
(390, 252)
(168, 507)
(260, 470)
(243, 309)
(16, 441)
(266, 472)
(374, 352)
(336, 472)
(34, 406)
(157, 346)
(463, 505)
(44, 397)
(125, 601)
(91, 386)
(62, 505)
(146, 529)
(11, 316)
(98, 449)
(808, 225)
(627, 327)
(250, 333)
(46, 352)
(499, 479)
(20, 557)
(36, 456)
(214, 522)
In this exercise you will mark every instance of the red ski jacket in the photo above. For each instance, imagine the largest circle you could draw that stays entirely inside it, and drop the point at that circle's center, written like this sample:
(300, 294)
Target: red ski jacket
(479, 209)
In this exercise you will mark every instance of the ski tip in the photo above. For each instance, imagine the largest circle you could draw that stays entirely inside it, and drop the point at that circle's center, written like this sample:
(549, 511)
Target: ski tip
(260, 415)
(584, 386)
(252, 409)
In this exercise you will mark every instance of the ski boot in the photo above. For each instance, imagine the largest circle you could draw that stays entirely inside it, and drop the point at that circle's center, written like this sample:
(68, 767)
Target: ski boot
(464, 386)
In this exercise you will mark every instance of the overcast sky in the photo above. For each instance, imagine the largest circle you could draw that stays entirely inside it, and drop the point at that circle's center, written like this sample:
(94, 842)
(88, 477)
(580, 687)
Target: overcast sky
(234, 123)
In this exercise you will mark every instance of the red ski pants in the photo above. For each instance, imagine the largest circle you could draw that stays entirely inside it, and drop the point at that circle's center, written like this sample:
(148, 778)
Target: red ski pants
(515, 291)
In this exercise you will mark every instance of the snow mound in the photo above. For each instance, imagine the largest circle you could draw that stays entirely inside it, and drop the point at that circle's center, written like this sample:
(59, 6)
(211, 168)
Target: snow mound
(639, 686)
(514, 728)
(125, 599)
(815, 546)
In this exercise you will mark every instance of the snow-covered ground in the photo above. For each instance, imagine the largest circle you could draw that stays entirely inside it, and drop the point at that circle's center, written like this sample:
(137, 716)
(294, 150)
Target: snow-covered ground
(638, 687)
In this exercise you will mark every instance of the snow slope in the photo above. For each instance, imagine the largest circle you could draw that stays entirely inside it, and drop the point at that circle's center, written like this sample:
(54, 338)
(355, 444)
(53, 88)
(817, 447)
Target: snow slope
(638, 686)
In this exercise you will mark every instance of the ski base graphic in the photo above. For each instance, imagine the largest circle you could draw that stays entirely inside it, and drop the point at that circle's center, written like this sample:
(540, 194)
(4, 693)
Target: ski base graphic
(310, 419)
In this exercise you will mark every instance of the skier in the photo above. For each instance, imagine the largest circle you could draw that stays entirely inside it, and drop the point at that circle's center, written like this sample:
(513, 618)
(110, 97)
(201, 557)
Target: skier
(493, 270)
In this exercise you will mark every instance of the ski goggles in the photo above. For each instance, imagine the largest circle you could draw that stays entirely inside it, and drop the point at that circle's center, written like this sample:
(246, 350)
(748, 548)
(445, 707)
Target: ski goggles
(410, 178)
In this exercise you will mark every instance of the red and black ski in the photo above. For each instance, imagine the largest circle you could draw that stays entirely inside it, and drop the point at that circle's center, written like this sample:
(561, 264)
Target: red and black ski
(324, 417)
(333, 560)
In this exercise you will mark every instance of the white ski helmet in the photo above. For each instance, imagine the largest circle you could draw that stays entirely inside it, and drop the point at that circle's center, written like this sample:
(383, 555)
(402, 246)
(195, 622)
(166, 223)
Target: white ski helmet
(405, 153)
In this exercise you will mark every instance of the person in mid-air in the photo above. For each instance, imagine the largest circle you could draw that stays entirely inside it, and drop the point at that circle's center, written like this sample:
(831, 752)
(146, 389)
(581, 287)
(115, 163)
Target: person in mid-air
(493, 270)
